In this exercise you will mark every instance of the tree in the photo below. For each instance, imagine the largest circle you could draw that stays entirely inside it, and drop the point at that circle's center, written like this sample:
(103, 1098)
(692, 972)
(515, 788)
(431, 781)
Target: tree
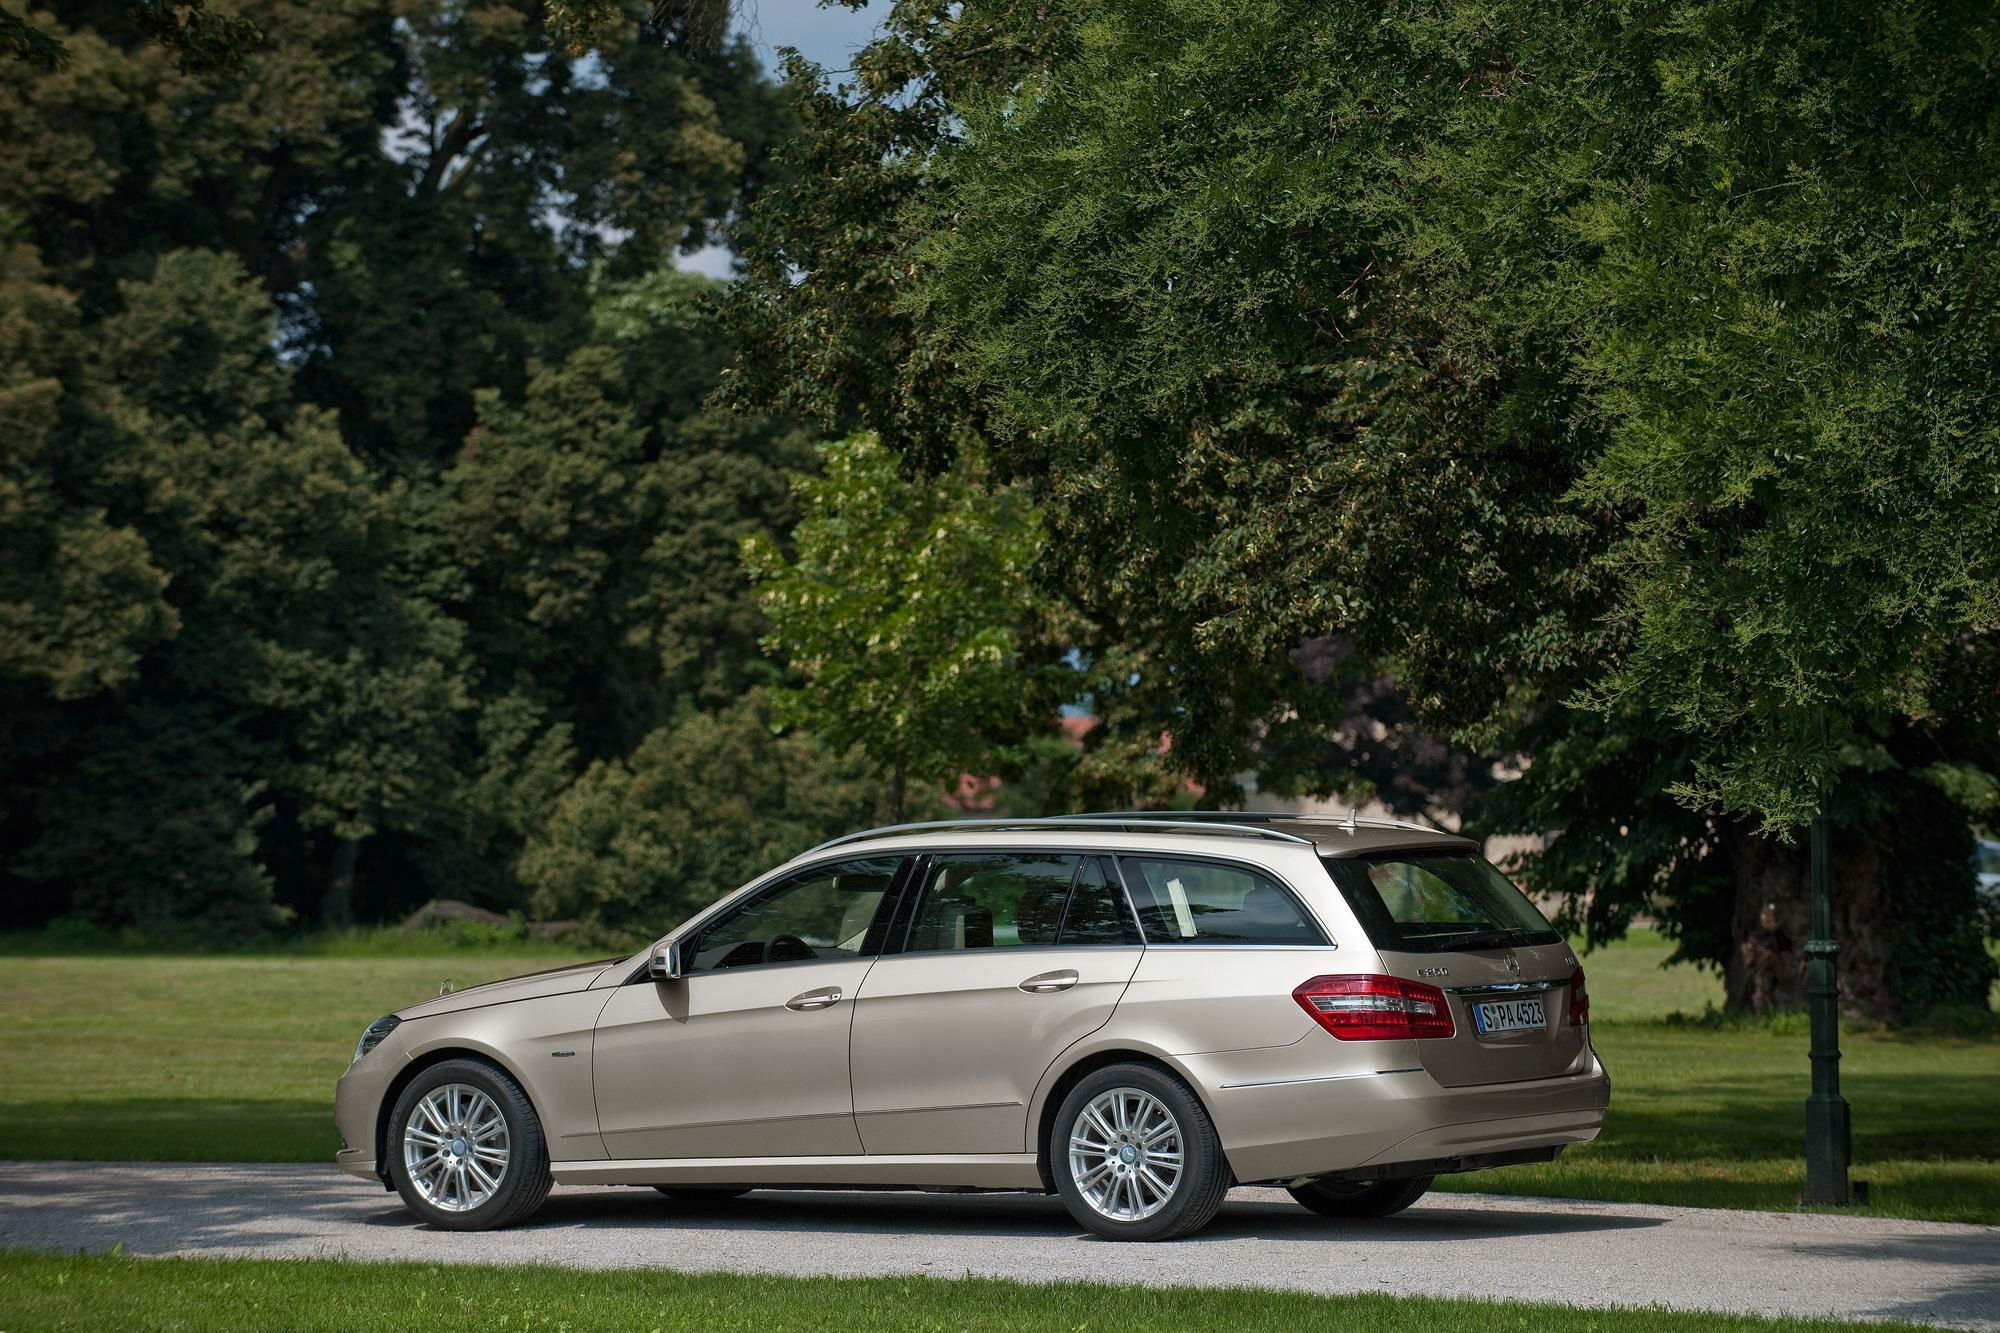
(592, 528)
(703, 805)
(285, 667)
(1308, 320)
(201, 40)
(900, 609)
(306, 559)
(1625, 304)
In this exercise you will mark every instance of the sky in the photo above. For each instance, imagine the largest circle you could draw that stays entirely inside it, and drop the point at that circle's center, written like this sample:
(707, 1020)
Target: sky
(827, 36)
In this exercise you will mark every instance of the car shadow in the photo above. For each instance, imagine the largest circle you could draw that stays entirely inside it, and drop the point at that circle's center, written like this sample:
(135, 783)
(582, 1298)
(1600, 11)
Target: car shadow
(1014, 1215)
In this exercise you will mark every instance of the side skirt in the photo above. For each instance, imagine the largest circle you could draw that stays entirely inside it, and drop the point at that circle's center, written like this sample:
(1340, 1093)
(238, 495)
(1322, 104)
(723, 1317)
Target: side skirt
(1001, 1171)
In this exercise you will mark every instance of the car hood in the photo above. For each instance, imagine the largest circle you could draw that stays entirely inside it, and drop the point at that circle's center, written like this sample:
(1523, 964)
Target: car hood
(531, 986)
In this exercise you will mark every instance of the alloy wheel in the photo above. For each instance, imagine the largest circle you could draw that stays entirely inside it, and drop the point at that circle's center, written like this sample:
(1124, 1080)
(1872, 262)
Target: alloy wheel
(455, 1147)
(1126, 1154)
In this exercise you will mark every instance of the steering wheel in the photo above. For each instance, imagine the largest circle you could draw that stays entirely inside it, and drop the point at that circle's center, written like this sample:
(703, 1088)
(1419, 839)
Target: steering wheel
(788, 949)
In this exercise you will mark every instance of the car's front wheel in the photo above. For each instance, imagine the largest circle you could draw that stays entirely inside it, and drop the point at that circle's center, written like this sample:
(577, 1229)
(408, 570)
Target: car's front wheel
(466, 1149)
(1360, 1198)
(1135, 1156)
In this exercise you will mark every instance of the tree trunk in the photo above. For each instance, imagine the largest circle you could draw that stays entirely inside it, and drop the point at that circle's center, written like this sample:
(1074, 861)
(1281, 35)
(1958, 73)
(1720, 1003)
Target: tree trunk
(1766, 969)
(336, 905)
(897, 781)
(1903, 909)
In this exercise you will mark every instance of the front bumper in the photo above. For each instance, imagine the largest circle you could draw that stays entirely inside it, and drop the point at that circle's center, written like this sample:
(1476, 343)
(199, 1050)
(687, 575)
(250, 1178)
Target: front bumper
(1289, 1129)
(357, 1107)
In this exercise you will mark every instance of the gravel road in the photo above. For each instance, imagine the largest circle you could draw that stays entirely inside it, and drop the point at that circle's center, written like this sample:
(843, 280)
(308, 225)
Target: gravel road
(1448, 1245)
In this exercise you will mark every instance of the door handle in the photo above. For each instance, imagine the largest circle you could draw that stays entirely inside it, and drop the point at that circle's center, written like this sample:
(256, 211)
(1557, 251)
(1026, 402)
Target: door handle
(1048, 982)
(815, 999)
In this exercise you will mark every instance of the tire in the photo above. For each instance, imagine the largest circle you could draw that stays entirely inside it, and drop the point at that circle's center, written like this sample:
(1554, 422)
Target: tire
(1361, 1198)
(1116, 1194)
(440, 1174)
(703, 1193)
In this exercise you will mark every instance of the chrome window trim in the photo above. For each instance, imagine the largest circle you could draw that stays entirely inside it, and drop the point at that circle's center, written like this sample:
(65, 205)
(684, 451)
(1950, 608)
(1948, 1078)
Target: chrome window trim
(1299, 900)
(913, 856)
(1009, 950)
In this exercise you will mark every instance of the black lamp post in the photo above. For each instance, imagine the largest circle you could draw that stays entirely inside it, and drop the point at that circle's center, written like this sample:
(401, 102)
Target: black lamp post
(1829, 1144)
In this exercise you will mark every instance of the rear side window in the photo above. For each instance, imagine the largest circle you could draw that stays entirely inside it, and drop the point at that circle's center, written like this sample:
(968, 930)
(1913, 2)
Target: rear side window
(1437, 904)
(1097, 911)
(1204, 902)
(992, 901)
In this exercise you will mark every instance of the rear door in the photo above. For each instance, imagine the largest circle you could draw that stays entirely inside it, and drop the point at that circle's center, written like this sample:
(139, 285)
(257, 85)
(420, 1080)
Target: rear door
(1453, 921)
(1009, 958)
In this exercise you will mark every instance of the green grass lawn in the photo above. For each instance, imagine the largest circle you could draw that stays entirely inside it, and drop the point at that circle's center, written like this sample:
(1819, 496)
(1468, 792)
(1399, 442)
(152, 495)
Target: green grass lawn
(1714, 1115)
(212, 1058)
(233, 1058)
(70, 1291)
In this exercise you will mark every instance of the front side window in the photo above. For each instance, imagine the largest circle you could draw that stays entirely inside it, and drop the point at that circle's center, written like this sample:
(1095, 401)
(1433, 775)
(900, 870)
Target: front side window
(992, 901)
(1205, 902)
(1435, 904)
(829, 912)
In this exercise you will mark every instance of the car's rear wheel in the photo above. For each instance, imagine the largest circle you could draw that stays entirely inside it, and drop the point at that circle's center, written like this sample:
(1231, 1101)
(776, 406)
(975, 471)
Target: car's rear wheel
(1361, 1198)
(1135, 1156)
(703, 1193)
(465, 1148)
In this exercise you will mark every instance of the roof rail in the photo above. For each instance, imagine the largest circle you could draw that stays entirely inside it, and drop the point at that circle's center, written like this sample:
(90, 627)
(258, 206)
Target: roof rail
(1348, 820)
(1150, 821)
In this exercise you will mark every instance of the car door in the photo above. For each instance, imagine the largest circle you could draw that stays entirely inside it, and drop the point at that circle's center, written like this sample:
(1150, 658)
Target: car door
(1009, 958)
(746, 1054)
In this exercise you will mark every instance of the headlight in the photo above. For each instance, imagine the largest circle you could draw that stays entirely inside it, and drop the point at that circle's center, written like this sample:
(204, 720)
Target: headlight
(372, 1035)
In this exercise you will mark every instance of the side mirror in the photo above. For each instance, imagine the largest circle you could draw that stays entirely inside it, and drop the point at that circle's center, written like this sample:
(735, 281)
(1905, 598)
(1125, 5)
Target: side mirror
(665, 964)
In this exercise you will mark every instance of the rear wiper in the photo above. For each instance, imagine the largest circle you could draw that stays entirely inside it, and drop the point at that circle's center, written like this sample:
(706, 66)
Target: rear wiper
(1471, 937)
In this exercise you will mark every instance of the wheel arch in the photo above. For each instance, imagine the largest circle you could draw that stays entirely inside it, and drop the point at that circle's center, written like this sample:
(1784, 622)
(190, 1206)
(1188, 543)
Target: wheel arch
(1079, 1064)
(430, 1059)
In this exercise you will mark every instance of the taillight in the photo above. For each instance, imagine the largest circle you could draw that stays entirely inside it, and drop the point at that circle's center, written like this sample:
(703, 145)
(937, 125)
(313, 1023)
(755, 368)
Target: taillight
(1375, 1008)
(1579, 1001)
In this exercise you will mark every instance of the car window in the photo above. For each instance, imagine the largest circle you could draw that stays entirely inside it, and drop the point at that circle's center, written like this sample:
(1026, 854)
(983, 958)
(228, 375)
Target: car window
(1097, 910)
(992, 901)
(827, 912)
(1437, 904)
(1203, 902)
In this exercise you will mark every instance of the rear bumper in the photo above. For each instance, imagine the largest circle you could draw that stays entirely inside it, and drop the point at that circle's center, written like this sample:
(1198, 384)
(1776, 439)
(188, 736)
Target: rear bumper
(1281, 1130)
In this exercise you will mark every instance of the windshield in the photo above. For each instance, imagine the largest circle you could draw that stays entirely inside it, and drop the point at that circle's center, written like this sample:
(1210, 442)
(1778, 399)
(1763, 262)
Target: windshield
(1437, 904)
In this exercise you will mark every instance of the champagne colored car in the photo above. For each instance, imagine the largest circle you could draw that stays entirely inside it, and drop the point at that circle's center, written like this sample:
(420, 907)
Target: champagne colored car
(1131, 1011)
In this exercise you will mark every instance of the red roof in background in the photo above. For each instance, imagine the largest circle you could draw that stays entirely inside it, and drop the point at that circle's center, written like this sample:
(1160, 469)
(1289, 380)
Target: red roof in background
(976, 793)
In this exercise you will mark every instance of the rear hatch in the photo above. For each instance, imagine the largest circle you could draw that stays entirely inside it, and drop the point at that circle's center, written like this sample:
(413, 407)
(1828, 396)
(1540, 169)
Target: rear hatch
(1451, 920)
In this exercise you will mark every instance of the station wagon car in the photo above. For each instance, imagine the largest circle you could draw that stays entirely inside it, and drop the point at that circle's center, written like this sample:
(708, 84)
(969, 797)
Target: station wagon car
(1133, 1012)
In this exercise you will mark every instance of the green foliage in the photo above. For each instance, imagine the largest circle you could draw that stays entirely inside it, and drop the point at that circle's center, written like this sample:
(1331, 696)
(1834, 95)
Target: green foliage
(80, 599)
(201, 40)
(356, 486)
(1607, 378)
(901, 608)
(1764, 262)
(278, 663)
(702, 806)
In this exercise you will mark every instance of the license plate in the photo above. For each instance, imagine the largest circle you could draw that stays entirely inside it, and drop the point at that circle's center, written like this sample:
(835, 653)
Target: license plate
(1508, 1016)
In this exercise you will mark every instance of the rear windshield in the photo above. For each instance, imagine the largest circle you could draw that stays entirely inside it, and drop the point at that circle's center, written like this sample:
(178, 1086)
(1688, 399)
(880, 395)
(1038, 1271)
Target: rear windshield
(1437, 904)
